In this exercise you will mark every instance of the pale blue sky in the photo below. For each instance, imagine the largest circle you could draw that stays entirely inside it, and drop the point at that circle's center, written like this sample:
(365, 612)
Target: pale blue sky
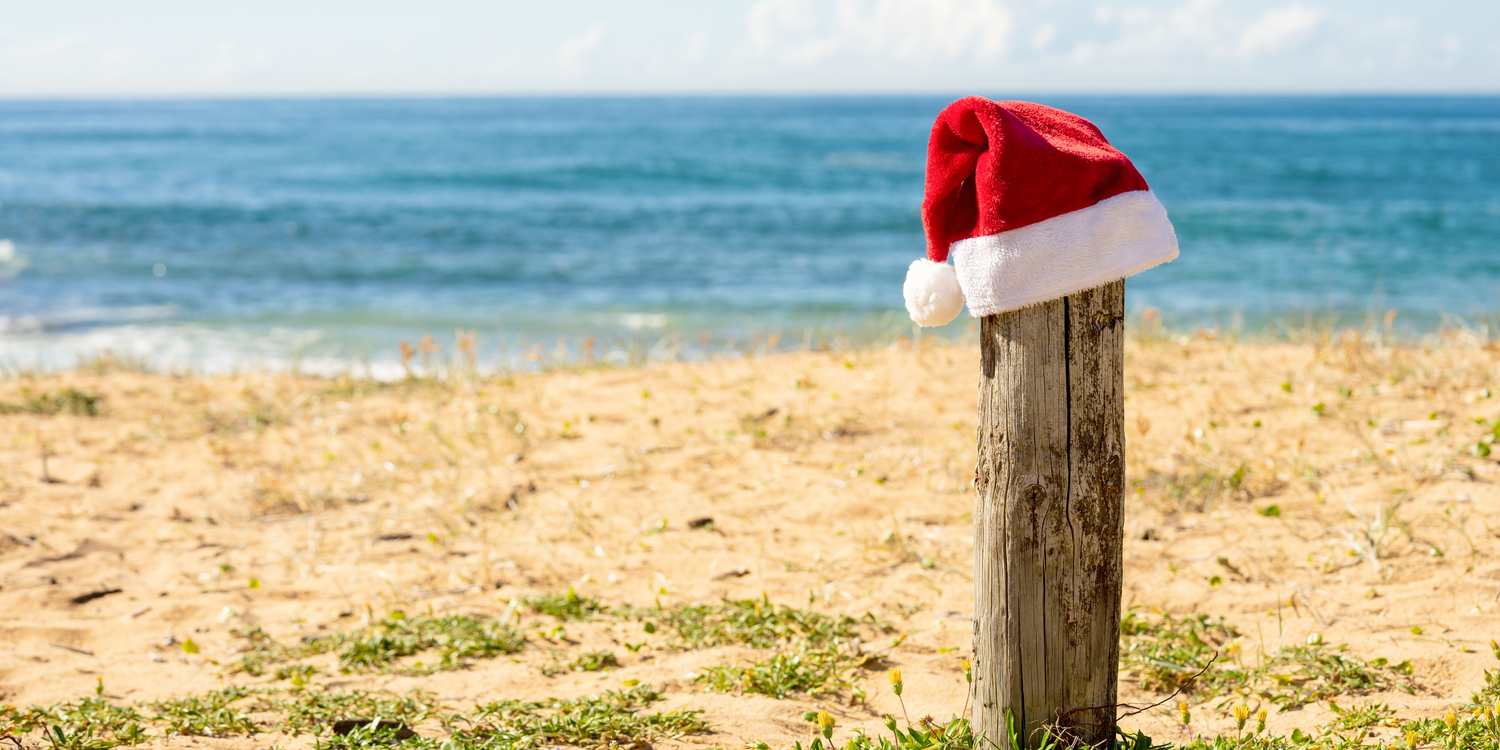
(310, 47)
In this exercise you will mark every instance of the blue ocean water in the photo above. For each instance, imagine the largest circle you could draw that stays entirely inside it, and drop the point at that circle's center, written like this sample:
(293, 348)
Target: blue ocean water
(218, 235)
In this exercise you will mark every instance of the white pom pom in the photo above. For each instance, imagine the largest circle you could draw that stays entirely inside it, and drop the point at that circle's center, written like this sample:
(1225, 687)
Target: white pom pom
(933, 296)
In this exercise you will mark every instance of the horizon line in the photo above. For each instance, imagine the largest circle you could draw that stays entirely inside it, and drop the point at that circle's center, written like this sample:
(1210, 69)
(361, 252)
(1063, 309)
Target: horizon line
(709, 94)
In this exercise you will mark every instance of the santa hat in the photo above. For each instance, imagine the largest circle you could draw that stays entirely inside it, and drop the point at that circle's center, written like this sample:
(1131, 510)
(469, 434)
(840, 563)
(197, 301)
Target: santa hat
(1033, 204)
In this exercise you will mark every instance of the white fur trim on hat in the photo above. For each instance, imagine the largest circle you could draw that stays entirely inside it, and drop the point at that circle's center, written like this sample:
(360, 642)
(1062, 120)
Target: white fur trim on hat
(933, 295)
(1114, 238)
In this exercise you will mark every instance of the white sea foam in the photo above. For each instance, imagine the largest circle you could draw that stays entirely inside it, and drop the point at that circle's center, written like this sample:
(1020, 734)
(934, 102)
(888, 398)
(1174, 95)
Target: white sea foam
(149, 335)
(638, 321)
(78, 315)
(11, 261)
(20, 324)
(181, 348)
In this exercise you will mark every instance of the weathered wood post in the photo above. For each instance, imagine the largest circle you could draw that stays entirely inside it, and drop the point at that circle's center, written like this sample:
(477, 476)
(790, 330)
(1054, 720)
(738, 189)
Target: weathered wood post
(1032, 204)
(1048, 522)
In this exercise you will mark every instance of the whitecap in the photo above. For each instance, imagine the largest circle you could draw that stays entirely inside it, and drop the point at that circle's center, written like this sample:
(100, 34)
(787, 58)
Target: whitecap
(20, 324)
(637, 321)
(11, 262)
(77, 315)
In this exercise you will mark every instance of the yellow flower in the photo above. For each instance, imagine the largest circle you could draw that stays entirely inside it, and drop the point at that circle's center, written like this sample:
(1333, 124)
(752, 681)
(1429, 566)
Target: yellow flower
(1411, 739)
(894, 675)
(1260, 721)
(968, 669)
(1185, 714)
(1451, 720)
(825, 722)
(630, 683)
(1241, 715)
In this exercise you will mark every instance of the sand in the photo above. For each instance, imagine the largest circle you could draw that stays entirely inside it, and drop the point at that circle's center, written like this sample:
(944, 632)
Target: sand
(840, 479)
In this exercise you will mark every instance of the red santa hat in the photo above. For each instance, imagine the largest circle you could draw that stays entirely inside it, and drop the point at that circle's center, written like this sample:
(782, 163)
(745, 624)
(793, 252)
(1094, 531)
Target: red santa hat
(1033, 204)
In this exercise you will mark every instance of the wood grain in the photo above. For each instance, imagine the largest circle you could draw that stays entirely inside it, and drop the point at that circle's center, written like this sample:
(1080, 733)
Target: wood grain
(1048, 531)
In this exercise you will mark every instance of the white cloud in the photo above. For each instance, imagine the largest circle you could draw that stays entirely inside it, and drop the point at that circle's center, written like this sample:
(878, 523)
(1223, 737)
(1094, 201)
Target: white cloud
(1199, 31)
(115, 59)
(1104, 45)
(1280, 27)
(49, 50)
(1452, 48)
(1044, 35)
(231, 61)
(790, 32)
(574, 53)
(805, 32)
(695, 48)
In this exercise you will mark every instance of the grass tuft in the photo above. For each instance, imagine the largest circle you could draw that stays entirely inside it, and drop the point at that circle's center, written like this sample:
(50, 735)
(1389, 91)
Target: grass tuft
(381, 737)
(68, 401)
(87, 724)
(614, 719)
(454, 639)
(566, 606)
(756, 623)
(209, 715)
(1164, 653)
(806, 672)
(314, 711)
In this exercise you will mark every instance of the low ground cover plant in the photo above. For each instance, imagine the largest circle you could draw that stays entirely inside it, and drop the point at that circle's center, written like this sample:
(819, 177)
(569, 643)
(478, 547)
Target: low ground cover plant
(452, 641)
(1194, 659)
(1201, 655)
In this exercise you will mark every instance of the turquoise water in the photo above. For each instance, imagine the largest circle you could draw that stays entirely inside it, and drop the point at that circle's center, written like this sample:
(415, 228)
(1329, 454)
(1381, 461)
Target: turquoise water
(218, 235)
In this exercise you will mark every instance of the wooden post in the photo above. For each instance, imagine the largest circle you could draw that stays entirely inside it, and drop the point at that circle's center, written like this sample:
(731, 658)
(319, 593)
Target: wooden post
(1048, 526)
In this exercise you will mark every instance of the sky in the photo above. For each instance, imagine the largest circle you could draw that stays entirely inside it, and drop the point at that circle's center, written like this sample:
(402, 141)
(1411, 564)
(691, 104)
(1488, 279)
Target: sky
(154, 48)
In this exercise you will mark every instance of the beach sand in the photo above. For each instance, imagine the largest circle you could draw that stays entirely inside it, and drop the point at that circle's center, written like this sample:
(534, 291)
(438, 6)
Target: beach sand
(836, 481)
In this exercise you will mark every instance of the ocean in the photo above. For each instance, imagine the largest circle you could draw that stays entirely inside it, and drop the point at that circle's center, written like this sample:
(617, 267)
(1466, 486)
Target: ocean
(216, 235)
